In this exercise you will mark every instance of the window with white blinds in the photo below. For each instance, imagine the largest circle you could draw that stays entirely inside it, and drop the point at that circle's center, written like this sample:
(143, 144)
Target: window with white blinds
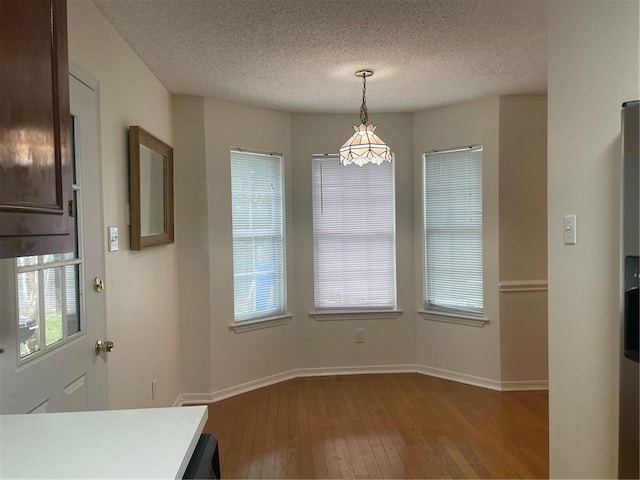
(453, 230)
(353, 235)
(257, 189)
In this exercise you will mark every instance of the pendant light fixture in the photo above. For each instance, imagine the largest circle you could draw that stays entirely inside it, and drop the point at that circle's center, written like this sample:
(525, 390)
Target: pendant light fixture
(364, 146)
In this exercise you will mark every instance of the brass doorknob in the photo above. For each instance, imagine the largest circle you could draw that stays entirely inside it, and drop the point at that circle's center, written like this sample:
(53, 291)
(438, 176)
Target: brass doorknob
(103, 346)
(98, 284)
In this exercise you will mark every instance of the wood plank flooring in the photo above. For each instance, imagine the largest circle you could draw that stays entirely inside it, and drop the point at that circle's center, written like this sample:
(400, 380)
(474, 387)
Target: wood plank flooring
(381, 426)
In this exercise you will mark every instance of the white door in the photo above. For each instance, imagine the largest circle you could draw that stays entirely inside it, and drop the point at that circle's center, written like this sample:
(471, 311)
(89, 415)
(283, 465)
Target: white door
(50, 313)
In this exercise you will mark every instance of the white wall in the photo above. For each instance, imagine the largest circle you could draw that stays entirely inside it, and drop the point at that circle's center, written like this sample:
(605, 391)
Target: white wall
(205, 130)
(523, 237)
(331, 343)
(593, 68)
(459, 348)
(303, 343)
(512, 347)
(141, 287)
(237, 358)
(192, 238)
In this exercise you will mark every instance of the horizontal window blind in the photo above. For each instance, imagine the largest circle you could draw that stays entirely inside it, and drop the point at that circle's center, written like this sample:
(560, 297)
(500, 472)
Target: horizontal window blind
(353, 235)
(453, 230)
(258, 235)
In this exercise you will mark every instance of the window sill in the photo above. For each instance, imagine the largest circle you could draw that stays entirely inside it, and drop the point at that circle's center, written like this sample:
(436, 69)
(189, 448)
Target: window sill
(330, 315)
(453, 318)
(250, 325)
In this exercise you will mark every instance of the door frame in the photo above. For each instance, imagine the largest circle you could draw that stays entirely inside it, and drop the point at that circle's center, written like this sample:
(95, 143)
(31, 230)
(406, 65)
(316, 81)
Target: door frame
(94, 84)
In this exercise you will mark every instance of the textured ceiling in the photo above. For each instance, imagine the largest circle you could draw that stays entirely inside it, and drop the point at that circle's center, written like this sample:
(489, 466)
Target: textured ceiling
(301, 55)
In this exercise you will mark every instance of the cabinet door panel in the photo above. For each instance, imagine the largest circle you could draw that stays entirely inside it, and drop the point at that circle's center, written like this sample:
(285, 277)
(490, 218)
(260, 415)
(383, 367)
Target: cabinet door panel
(35, 156)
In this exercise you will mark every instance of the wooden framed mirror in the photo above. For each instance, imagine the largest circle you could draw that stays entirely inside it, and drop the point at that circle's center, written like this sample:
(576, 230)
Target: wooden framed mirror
(150, 189)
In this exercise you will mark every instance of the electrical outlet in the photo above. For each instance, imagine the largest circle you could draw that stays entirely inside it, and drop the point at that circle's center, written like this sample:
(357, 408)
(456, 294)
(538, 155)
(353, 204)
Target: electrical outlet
(359, 338)
(154, 389)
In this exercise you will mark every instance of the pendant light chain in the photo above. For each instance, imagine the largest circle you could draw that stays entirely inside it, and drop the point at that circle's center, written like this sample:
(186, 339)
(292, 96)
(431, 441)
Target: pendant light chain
(364, 115)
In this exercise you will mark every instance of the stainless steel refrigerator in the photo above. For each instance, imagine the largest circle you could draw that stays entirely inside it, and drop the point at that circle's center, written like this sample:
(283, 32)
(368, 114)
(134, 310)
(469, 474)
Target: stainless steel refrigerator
(628, 461)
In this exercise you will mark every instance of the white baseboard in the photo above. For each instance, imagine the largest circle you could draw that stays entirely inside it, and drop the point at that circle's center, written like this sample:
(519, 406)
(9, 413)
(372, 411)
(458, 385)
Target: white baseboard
(202, 398)
(363, 370)
(195, 398)
(521, 386)
(460, 377)
(192, 399)
(199, 398)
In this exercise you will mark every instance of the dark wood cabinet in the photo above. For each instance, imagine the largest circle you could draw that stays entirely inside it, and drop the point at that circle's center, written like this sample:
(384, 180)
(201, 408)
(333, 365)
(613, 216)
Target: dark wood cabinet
(35, 137)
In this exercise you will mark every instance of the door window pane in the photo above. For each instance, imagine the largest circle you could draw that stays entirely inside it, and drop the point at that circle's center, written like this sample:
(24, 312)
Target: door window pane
(28, 313)
(52, 305)
(26, 261)
(72, 304)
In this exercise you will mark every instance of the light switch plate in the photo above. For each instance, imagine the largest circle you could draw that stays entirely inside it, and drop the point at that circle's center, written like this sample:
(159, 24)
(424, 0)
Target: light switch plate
(570, 229)
(114, 241)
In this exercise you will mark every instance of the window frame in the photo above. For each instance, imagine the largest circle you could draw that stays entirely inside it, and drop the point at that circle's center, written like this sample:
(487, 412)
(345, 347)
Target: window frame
(354, 312)
(443, 313)
(272, 318)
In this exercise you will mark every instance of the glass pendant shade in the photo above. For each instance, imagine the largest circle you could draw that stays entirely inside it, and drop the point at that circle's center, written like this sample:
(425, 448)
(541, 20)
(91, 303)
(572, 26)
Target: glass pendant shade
(364, 146)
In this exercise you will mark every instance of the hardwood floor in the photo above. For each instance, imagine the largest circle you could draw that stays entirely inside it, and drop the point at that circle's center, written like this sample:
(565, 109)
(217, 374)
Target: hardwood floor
(381, 426)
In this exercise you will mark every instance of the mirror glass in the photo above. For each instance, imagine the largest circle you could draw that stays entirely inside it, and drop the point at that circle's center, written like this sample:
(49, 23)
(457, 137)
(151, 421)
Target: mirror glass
(151, 192)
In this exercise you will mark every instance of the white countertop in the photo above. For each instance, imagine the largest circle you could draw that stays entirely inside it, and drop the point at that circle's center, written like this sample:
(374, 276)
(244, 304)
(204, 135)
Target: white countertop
(146, 443)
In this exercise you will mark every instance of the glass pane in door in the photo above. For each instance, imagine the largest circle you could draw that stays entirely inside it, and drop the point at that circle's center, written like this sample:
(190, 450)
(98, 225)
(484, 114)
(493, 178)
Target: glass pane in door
(28, 313)
(52, 283)
(72, 303)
